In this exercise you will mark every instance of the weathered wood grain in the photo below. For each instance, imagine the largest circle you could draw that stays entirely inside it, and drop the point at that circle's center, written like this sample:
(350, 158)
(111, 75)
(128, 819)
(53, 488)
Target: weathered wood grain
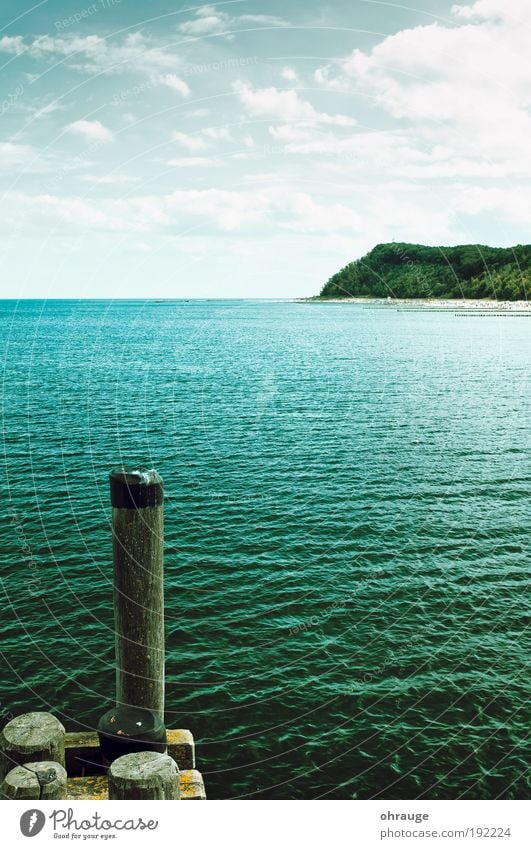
(37, 780)
(138, 541)
(29, 737)
(94, 787)
(144, 775)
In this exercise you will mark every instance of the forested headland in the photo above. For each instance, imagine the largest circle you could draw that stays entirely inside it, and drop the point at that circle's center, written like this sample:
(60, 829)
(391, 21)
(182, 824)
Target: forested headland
(401, 270)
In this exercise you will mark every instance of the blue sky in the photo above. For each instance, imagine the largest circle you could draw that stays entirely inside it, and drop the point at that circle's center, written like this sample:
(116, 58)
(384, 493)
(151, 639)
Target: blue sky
(250, 149)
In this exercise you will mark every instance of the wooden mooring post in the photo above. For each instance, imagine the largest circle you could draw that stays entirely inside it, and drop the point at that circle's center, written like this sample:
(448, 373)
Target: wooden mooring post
(34, 736)
(138, 540)
(144, 775)
(34, 748)
(39, 780)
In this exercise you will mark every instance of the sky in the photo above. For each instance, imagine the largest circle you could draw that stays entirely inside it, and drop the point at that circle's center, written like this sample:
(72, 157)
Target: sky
(251, 149)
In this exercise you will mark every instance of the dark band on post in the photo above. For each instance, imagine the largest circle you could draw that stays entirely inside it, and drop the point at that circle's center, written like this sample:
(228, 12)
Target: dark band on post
(135, 489)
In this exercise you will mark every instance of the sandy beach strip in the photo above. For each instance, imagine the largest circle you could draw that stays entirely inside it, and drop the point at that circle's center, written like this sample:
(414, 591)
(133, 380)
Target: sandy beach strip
(451, 305)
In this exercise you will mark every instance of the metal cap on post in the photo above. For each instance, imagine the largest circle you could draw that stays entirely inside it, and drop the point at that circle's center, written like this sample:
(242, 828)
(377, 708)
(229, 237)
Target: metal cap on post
(138, 541)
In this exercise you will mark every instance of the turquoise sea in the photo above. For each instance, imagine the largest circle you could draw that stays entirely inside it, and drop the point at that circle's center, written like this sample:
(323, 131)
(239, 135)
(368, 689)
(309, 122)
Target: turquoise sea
(347, 527)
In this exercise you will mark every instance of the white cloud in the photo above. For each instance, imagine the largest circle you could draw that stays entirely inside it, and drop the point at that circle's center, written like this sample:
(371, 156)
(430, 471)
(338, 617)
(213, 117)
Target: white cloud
(493, 10)
(217, 133)
(204, 25)
(308, 216)
(203, 140)
(16, 159)
(290, 75)
(454, 99)
(108, 179)
(92, 130)
(191, 143)
(277, 208)
(12, 44)
(47, 211)
(176, 83)
(465, 89)
(510, 202)
(210, 20)
(227, 210)
(397, 153)
(195, 162)
(15, 155)
(49, 109)
(197, 113)
(93, 53)
(284, 106)
(266, 20)
(272, 209)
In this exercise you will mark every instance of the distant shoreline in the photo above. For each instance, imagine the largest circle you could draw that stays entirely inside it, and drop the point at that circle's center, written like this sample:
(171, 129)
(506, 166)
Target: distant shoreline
(423, 303)
(422, 272)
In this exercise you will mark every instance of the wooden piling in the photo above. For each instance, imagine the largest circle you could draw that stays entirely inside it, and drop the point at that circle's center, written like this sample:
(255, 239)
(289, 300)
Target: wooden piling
(144, 775)
(138, 538)
(37, 780)
(33, 746)
(29, 737)
(95, 787)
(83, 755)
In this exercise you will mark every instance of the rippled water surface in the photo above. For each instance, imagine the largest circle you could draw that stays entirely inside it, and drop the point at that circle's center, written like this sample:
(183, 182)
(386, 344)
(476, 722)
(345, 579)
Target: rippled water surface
(347, 525)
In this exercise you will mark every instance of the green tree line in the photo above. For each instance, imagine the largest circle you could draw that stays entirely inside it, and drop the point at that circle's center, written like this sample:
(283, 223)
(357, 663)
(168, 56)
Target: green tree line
(401, 270)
